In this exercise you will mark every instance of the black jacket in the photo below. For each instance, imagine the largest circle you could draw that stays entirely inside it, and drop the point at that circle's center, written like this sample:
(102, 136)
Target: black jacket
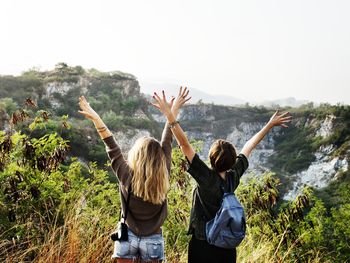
(210, 189)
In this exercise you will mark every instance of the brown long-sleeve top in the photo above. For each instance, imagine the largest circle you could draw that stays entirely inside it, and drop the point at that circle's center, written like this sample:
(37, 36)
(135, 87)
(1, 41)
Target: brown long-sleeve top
(144, 218)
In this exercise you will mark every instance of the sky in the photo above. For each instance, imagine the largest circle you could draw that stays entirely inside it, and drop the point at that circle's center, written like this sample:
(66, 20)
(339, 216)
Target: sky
(251, 49)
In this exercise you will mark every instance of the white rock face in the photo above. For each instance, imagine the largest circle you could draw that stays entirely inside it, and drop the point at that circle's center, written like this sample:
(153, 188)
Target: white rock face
(127, 139)
(60, 88)
(326, 127)
(159, 118)
(200, 112)
(206, 137)
(130, 87)
(238, 136)
(140, 114)
(4, 121)
(241, 134)
(320, 173)
(324, 169)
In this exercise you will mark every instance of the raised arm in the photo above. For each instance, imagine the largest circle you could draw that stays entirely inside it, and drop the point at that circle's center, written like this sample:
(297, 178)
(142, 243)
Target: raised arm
(276, 120)
(181, 99)
(89, 113)
(118, 163)
(167, 135)
(168, 111)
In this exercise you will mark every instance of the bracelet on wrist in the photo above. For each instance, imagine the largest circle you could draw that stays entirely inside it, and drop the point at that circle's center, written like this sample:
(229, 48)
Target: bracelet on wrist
(102, 129)
(172, 124)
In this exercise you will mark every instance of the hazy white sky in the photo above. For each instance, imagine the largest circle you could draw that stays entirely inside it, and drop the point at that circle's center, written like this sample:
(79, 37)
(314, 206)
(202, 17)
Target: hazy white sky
(253, 50)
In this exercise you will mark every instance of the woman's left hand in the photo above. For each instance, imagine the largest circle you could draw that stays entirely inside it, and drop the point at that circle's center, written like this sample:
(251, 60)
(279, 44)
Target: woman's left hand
(180, 100)
(87, 110)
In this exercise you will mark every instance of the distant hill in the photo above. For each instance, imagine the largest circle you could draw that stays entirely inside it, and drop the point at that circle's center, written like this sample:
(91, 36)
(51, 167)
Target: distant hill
(198, 95)
(290, 101)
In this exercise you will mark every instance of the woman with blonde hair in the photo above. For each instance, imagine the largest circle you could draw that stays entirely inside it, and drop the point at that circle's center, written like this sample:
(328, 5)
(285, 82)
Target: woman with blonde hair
(146, 173)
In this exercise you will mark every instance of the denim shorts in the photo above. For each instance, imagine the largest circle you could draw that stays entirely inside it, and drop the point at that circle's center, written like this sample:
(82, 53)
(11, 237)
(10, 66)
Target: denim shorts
(145, 247)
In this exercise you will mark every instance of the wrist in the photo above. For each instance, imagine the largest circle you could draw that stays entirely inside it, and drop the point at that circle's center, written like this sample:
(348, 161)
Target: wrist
(102, 129)
(171, 118)
(98, 123)
(169, 114)
(270, 125)
(172, 124)
(175, 112)
(175, 108)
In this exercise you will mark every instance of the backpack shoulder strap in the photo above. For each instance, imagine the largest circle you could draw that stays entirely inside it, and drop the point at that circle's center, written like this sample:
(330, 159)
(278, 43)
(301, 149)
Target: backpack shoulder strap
(230, 184)
(206, 212)
(230, 190)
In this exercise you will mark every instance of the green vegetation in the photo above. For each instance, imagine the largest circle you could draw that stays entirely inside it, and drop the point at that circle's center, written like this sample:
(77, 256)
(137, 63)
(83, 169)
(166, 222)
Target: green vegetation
(47, 204)
(54, 208)
(293, 151)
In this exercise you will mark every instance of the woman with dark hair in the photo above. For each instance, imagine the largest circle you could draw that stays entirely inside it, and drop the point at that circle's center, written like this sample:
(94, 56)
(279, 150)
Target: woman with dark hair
(147, 172)
(226, 169)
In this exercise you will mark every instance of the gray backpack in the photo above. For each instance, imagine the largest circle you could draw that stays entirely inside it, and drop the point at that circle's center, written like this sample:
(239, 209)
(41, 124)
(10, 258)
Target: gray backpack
(227, 228)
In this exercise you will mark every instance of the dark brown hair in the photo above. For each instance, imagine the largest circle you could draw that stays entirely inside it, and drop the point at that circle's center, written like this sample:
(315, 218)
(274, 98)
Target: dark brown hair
(222, 155)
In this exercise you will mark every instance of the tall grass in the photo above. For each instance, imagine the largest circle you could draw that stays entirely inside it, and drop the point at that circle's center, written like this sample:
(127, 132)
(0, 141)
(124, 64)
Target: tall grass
(77, 240)
(82, 240)
(263, 251)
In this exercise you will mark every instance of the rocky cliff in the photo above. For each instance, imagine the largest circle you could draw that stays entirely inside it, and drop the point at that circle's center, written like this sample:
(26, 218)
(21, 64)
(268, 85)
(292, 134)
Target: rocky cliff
(324, 162)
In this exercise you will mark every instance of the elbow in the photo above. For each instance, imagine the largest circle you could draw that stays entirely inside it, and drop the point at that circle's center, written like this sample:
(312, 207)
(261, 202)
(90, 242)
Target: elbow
(247, 149)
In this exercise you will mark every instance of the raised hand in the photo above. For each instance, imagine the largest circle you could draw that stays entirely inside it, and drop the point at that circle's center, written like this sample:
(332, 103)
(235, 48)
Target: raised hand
(168, 108)
(180, 100)
(280, 119)
(162, 104)
(276, 120)
(86, 109)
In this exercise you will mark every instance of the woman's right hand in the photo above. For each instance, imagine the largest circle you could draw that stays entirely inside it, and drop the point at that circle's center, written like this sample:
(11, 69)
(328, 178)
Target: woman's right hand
(86, 109)
(278, 119)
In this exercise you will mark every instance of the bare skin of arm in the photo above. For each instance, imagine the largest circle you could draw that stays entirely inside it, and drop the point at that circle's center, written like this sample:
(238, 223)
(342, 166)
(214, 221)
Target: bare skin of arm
(89, 113)
(167, 133)
(166, 108)
(276, 120)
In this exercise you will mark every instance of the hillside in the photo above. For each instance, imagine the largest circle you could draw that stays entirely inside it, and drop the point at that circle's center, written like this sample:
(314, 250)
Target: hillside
(313, 151)
(114, 95)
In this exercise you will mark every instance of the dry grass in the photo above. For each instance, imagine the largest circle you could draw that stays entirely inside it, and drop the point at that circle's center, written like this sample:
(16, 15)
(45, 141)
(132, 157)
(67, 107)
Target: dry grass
(263, 251)
(75, 241)
(79, 240)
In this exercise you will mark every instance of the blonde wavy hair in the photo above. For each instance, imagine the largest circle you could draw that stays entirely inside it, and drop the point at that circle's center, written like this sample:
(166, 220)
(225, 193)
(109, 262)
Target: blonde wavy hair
(150, 179)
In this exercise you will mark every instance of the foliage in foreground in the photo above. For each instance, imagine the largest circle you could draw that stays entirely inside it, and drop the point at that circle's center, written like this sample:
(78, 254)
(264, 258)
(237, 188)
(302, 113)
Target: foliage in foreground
(57, 210)
(50, 210)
